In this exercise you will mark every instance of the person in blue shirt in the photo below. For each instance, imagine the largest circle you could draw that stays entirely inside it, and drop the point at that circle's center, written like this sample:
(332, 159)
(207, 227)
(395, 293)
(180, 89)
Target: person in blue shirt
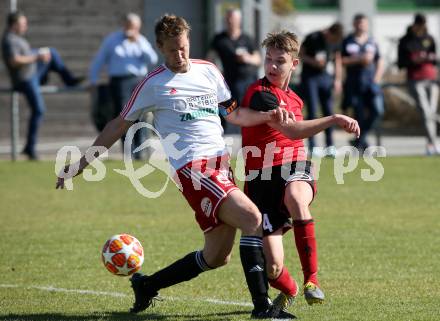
(364, 70)
(126, 54)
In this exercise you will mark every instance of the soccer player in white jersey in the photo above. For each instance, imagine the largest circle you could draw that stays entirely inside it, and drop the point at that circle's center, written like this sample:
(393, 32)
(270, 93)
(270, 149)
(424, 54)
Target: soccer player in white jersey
(185, 96)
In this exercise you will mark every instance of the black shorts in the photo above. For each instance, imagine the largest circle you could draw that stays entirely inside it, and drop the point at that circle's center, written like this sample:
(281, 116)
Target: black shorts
(267, 192)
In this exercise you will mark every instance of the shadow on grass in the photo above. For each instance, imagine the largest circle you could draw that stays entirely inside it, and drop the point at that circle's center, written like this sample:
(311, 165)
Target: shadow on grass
(221, 316)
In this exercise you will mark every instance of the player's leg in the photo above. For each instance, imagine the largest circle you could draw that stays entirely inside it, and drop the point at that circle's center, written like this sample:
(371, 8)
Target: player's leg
(275, 223)
(218, 245)
(228, 205)
(219, 240)
(274, 253)
(298, 196)
(238, 210)
(279, 276)
(216, 253)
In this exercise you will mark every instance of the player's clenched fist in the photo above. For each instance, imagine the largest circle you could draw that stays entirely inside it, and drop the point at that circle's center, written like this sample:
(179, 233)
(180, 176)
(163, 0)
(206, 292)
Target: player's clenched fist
(281, 115)
(349, 124)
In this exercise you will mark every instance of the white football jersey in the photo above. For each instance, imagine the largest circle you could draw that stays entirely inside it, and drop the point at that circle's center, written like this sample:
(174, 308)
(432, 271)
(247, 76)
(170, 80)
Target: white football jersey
(185, 108)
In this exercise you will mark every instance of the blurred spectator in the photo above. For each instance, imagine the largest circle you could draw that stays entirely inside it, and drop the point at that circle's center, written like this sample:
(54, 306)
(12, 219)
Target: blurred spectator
(29, 68)
(238, 54)
(417, 54)
(321, 74)
(364, 70)
(126, 54)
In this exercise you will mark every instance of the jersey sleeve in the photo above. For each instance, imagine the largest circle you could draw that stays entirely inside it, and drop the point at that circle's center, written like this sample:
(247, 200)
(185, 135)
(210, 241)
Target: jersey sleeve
(263, 101)
(141, 101)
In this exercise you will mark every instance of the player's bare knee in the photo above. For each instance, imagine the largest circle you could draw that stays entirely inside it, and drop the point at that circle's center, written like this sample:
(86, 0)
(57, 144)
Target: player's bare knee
(224, 261)
(252, 221)
(273, 270)
(297, 207)
(219, 260)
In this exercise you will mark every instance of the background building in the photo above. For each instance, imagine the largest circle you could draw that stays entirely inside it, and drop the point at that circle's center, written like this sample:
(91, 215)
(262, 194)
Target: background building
(76, 28)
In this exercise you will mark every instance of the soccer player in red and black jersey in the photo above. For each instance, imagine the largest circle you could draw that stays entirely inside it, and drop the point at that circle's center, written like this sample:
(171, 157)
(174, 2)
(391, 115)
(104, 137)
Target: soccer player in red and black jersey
(279, 178)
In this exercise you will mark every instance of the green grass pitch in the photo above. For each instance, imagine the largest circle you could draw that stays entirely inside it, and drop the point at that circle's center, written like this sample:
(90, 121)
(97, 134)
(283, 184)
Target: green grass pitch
(378, 242)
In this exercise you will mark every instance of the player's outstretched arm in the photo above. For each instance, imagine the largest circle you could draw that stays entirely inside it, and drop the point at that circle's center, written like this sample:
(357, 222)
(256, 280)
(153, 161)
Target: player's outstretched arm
(308, 128)
(246, 117)
(112, 132)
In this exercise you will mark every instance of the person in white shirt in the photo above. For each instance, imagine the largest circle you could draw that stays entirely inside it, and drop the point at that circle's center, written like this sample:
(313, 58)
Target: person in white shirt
(126, 55)
(185, 96)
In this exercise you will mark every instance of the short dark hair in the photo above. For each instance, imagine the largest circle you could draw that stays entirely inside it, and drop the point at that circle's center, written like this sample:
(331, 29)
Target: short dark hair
(419, 19)
(13, 18)
(359, 16)
(336, 29)
(170, 26)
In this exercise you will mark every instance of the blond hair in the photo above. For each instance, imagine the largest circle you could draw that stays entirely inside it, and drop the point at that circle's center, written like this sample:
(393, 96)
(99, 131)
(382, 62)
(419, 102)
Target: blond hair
(170, 26)
(283, 40)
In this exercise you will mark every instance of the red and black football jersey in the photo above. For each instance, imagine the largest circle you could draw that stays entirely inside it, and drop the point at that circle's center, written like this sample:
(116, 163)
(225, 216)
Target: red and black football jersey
(276, 149)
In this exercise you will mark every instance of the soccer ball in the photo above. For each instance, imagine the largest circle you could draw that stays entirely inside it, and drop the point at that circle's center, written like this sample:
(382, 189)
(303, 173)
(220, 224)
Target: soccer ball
(122, 254)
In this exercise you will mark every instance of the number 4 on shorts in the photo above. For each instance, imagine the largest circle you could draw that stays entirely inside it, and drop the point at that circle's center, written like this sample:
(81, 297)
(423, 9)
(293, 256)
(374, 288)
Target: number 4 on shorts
(266, 223)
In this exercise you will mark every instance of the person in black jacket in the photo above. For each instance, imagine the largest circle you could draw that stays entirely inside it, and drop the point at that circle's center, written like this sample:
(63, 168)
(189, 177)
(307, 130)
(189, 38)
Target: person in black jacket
(239, 57)
(321, 75)
(417, 54)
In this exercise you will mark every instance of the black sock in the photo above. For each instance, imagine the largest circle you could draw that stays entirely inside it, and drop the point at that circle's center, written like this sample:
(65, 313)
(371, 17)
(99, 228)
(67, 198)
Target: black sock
(254, 266)
(182, 270)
